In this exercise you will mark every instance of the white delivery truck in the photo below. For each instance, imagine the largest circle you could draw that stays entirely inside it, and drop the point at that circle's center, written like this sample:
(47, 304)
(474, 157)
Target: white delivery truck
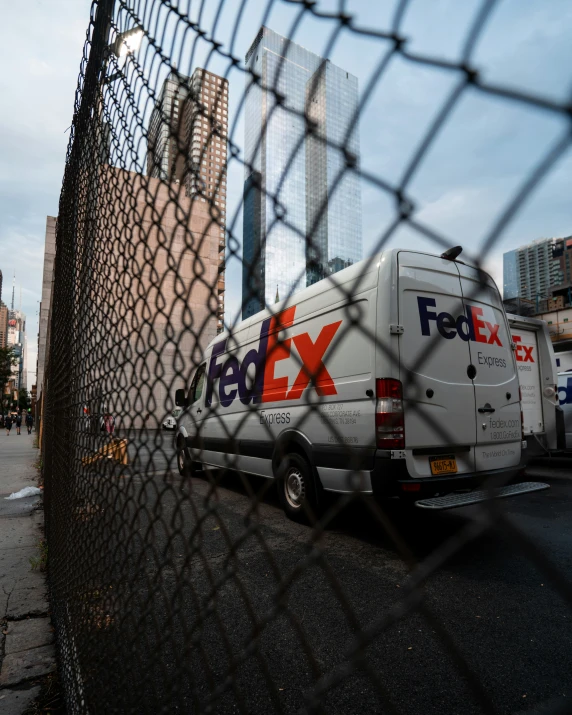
(564, 367)
(565, 402)
(395, 376)
(564, 361)
(536, 366)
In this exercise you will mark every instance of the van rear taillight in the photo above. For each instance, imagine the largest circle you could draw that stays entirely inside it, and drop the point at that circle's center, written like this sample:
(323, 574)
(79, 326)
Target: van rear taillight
(389, 426)
(521, 414)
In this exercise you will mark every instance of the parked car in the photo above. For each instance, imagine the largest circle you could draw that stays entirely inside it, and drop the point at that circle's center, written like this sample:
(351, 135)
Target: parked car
(171, 421)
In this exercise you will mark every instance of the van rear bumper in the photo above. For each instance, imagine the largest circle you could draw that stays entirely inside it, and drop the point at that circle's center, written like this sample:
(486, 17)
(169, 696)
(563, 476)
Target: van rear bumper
(390, 478)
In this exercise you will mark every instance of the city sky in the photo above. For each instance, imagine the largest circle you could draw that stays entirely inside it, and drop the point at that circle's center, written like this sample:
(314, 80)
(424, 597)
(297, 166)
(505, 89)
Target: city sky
(484, 152)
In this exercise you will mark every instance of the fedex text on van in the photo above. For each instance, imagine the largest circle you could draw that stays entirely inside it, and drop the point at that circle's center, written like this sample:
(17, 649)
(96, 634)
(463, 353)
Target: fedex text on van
(467, 327)
(265, 387)
(523, 352)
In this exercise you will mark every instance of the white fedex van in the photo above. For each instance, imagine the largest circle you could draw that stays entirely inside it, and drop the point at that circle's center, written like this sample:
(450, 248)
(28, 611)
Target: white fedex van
(565, 402)
(395, 376)
(564, 361)
(564, 367)
(536, 366)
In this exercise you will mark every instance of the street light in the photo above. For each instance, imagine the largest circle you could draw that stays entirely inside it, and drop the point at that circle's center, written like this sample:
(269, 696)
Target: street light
(127, 42)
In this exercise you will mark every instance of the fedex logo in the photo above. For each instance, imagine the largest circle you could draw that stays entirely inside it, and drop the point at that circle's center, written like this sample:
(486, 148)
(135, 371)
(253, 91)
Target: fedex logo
(523, 352)
(565, 392)
(266, 387)
(467, 327)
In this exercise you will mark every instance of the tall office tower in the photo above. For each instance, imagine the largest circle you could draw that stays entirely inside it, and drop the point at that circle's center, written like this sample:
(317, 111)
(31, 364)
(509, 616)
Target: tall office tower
(165, 160)
(531, 271)
(187, 144)
(302, 205)
(17, 339)
(3, 319)
(3, 325)
(46, 304)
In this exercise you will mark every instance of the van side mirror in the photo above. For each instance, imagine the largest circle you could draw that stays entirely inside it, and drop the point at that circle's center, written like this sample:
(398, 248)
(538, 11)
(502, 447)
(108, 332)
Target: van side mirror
(181, 398)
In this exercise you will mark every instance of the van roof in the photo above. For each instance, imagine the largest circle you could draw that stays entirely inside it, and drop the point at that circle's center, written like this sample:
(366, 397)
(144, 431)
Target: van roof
(348, 275)
(525, 321)
(352, 274)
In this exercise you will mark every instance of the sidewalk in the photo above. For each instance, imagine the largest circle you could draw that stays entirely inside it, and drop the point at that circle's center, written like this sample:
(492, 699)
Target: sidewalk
(26, 638)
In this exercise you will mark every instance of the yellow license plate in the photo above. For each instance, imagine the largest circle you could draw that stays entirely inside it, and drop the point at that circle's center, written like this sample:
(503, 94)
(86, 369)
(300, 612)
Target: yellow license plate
(443, 465)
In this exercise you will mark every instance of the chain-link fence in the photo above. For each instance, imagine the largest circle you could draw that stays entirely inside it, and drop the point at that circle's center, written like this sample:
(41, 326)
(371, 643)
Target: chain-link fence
(216, 173)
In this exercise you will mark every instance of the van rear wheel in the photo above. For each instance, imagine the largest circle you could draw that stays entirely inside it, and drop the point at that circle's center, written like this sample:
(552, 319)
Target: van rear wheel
(296, 489)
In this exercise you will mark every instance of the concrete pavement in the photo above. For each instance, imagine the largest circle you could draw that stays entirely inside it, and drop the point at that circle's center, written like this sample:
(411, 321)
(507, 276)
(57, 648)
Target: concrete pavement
(26, 647)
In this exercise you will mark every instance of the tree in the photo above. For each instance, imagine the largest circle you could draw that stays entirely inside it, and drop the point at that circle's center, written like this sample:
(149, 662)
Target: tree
(24, 400)
(8, 359)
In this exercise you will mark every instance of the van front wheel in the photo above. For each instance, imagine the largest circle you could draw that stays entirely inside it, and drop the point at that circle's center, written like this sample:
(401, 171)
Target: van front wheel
(182, 461)
(185, 464)
(296, 489)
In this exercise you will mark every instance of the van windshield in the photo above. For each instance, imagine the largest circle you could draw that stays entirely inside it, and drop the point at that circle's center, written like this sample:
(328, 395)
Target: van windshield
(198, 383)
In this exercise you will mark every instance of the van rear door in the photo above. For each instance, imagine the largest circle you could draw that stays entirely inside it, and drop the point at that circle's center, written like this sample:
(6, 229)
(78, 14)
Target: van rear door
(499, 432)
(528, 366)
(439, 397)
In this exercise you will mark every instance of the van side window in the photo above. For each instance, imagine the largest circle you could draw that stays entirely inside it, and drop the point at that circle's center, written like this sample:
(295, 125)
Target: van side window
(198, 383)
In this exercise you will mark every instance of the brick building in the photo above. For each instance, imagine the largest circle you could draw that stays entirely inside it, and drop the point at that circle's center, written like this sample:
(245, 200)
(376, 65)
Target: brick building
(146, 301)
(154, 296)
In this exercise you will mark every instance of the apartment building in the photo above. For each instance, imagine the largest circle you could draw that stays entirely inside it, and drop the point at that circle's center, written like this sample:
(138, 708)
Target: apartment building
(531, 271)
(187, 144)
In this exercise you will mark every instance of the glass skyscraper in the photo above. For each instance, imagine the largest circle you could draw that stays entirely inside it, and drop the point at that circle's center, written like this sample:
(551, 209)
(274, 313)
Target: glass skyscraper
(302, 205)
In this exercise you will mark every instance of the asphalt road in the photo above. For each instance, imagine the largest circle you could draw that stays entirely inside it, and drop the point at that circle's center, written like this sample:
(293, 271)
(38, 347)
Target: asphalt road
(195, 601)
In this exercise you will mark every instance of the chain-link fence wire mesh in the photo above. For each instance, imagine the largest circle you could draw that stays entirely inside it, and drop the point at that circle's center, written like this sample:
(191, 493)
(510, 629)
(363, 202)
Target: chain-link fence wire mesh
(173, 586)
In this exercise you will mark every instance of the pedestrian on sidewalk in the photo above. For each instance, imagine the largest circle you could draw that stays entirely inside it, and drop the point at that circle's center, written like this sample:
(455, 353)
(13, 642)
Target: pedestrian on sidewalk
(108, 423)
(29, 422)
(18, 422)
(8, 423)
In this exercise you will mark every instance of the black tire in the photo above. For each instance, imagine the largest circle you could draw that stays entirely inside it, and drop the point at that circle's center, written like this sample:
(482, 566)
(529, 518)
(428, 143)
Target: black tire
(297, 489)
(182, 461)
(186, 466)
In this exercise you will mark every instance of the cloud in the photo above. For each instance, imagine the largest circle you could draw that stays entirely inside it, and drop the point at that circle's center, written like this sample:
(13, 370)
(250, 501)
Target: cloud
(464, 214)
(39, 68)
(38, 82)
